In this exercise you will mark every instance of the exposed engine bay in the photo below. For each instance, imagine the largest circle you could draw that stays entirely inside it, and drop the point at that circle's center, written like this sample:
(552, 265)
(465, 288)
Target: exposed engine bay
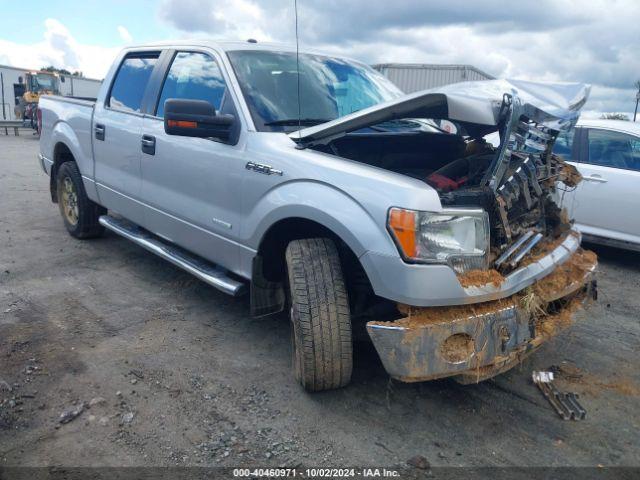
(515, 182)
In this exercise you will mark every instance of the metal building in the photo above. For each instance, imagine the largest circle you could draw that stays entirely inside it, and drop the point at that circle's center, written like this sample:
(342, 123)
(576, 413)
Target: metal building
(13, 84)
(412, 77)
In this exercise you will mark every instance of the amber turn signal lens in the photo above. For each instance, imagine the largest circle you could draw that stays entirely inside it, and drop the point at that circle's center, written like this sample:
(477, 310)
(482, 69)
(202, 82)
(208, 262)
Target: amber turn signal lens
(403, 224)
(182, 124)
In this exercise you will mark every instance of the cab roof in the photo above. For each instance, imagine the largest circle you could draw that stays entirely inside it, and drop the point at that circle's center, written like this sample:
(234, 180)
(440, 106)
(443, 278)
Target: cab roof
(227, 46)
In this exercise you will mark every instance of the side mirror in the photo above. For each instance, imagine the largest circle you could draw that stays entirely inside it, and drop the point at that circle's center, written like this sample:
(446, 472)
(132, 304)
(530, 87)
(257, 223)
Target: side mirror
(195, 118)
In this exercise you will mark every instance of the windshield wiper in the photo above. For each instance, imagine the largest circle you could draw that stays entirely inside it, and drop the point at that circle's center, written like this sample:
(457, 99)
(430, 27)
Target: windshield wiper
(294, 122)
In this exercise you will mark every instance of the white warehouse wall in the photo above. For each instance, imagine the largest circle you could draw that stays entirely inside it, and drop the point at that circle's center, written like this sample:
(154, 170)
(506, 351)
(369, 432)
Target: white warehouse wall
(413, 77)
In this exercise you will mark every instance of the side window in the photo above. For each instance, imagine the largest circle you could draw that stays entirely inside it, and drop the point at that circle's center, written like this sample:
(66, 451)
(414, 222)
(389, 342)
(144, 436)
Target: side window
(193, 76)
(564, 144)
(613, 149)
(131, 81)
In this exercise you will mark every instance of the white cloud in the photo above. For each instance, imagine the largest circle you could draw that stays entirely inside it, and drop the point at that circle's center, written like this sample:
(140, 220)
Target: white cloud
(60, 49)
(229, 19)
(124, 34)
(550, 40)
(555, 40)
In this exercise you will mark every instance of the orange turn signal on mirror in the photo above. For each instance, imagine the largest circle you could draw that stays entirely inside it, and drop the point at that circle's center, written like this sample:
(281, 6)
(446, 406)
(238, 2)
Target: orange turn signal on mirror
(182, 124)
(403, 225)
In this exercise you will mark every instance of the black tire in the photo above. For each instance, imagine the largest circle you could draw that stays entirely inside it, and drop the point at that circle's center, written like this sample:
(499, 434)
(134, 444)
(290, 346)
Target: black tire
(319, 313)
(79, 213)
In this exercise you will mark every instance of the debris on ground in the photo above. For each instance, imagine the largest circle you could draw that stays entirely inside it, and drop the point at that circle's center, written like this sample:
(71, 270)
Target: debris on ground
(593, 384)
(565, 404)
(71, 413)
(96, 401)
(419, 462)
(127, 417)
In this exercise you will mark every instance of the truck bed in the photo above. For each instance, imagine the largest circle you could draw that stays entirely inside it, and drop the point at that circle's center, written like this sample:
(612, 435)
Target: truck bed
(71, 118)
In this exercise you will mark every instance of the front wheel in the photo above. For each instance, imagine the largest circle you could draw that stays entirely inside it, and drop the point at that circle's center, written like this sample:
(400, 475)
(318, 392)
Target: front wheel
(79, 213)
(319, 313)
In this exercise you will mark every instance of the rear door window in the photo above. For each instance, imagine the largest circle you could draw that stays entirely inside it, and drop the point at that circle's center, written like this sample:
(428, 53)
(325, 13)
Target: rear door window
(193, 76)
(614, 149)
(131, 82)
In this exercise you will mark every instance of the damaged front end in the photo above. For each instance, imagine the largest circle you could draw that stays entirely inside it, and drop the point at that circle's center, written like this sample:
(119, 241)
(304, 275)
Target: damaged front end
(520, 272)
(515, 183)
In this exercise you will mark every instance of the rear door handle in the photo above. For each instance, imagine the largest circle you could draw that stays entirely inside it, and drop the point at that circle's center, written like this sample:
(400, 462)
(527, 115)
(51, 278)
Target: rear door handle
(99, 131)
(595, 178)
(148, 144)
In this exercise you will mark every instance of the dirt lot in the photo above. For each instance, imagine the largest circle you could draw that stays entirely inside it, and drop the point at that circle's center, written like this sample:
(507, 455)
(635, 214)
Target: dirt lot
(179, 374)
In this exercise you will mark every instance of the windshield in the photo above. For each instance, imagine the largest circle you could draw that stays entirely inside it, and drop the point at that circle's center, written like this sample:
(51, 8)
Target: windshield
(45, 82)
(329, 88)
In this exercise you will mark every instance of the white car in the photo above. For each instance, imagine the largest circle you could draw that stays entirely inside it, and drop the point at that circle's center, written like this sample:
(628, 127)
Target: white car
(606, 204)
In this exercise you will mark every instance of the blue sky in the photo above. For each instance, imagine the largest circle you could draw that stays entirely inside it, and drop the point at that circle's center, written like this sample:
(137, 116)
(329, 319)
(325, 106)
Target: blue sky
(90, 21)
(593, 41)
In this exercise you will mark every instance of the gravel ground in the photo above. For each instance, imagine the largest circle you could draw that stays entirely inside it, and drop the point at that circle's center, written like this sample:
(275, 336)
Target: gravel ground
(152, 367)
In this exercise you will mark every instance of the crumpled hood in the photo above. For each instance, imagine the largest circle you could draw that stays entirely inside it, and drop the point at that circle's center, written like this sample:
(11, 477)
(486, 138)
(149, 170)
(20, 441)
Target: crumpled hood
(556, 105)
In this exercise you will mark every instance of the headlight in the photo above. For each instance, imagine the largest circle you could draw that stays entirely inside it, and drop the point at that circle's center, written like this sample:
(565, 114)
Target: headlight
(458, 237)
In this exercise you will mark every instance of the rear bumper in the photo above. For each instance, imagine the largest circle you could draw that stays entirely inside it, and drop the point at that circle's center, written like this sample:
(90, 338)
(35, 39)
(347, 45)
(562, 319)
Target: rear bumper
(435, 285)
(477, 342)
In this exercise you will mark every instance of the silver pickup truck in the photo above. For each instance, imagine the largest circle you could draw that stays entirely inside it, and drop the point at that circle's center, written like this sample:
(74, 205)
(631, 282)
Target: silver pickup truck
(315, 184)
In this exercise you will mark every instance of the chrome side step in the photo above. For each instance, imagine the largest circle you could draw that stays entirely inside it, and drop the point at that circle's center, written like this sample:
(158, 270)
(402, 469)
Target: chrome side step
(208, 272)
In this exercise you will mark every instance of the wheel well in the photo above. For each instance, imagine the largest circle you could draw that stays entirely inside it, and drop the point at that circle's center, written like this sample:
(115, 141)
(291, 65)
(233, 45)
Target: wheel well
(61, 154)
(274, 243)
(275, 240)
(269, 274)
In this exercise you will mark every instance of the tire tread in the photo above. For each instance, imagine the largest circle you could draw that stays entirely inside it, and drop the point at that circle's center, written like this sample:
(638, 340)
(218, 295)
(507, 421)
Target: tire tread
(319, 295)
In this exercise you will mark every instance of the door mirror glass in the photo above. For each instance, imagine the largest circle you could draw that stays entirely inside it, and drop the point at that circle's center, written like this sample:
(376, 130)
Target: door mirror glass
(195, 118)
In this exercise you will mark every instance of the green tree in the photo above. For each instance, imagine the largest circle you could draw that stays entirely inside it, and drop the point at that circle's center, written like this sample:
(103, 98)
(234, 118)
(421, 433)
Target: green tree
(62, 71)
(614, 116)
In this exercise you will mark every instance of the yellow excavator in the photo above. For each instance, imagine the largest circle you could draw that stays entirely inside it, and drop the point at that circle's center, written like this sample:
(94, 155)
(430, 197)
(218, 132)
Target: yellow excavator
(36, 84)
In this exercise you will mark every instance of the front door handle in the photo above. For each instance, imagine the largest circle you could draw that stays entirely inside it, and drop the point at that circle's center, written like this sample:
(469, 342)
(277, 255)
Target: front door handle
(595, 178)
(99, 131)
(148, 144)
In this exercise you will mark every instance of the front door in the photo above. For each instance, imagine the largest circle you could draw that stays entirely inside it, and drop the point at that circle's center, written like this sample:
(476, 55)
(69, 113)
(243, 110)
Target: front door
(117, 126)
(607, 201)
(188, 184)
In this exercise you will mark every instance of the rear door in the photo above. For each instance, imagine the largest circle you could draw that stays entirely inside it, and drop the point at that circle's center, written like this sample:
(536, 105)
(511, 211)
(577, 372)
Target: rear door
(607, 200)
(190, 186)
(117, 126)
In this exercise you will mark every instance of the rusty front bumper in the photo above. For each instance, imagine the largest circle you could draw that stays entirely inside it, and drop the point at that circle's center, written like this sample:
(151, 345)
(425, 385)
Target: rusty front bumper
(479, 341)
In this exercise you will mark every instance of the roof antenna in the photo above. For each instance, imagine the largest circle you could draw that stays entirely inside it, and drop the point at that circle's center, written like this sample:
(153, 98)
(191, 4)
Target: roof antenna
(295, 8)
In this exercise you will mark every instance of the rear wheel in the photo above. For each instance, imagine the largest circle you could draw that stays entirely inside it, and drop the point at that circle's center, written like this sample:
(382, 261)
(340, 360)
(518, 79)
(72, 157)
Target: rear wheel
(319, 314)
(79, 213)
